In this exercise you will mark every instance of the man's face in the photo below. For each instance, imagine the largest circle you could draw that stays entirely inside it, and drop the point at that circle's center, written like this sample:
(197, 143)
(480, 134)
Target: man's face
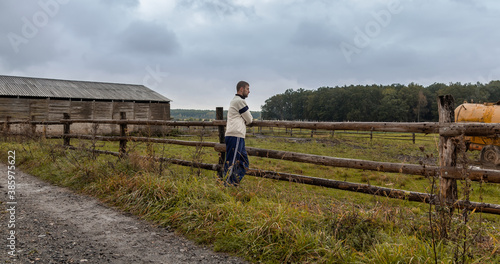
(245, 91)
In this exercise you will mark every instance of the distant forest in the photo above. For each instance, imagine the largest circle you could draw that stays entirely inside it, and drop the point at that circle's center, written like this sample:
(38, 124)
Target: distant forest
(200, 115)
(377, 103)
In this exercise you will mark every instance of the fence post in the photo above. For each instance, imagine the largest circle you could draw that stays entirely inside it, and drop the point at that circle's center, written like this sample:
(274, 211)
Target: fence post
(447, 151)
(33, 126)
(413, 138)
(6, 128)
(66, 130)
(7, 124)
(219, 115)
(123, 134)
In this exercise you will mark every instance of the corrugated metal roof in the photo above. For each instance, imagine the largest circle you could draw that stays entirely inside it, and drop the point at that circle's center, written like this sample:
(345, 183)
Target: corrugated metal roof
(52, 88)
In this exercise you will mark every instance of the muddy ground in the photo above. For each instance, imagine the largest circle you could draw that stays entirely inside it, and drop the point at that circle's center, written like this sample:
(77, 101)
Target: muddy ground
(55, 225)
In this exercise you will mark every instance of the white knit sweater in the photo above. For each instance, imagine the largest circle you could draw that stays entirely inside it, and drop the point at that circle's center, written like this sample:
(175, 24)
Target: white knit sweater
(238, 116)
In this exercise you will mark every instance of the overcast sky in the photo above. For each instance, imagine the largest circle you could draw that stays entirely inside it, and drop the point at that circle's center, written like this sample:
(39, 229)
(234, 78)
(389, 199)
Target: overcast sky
(194, 51)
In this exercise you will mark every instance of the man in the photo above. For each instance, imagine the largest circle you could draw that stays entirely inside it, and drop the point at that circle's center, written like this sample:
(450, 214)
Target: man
(238, 116)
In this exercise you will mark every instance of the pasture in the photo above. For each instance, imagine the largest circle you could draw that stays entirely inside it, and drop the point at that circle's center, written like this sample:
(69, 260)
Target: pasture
(269, 221)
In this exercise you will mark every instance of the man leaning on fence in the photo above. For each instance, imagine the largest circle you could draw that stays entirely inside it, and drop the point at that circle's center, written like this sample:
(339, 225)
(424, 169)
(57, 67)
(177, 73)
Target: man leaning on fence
(238, 116)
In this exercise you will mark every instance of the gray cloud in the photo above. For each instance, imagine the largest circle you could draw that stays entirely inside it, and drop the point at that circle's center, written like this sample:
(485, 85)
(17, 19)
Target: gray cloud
(316, 35)
(143, 37)
(121, 3)
(28, 36)
(216, 9)
(202, 48)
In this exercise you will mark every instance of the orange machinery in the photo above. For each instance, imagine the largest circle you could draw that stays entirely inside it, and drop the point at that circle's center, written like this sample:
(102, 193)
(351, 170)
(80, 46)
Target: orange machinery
(482, 113)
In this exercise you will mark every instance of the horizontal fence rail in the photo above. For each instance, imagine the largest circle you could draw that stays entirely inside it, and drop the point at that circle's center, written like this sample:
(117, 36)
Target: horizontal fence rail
(484, 175)
(449, 130)
(433, 171)
(328, 183)
(139, 139)
(426, 128)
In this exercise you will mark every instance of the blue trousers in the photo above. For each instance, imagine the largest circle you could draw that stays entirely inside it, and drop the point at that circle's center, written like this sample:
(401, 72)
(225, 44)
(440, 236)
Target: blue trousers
(236, 163)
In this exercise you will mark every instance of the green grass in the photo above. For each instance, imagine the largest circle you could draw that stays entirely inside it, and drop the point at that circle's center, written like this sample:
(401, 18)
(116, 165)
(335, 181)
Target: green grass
(270, 221)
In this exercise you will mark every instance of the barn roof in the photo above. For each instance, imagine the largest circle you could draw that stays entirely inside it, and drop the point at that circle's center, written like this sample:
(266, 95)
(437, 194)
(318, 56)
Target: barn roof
(65, 89)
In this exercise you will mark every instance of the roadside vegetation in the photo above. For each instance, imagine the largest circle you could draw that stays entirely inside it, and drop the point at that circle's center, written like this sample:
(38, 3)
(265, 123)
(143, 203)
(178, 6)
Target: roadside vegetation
(270, 221)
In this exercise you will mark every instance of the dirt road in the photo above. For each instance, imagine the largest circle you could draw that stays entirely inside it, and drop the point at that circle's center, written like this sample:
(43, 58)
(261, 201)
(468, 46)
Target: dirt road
(55, 225)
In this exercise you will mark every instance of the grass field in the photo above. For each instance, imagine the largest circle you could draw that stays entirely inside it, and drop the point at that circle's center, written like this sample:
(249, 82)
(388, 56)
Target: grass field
(270, 221)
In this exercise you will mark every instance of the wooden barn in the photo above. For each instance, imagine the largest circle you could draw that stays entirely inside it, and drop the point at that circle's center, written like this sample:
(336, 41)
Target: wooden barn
(39, 99)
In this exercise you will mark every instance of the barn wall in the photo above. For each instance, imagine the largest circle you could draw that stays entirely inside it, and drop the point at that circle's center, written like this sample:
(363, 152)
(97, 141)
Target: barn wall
(160, 111)
(127, 107)
(103, 110)
(141, 111)
(57, 108)
(16, 108)
(38, 109)
(53, 110)
(82, 109)
(167, 111)
(5, 107)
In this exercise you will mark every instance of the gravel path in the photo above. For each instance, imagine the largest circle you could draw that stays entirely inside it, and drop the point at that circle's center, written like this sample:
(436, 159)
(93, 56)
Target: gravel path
(55, 225)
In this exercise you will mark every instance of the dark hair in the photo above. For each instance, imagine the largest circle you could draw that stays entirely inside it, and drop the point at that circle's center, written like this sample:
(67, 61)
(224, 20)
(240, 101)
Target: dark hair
(241, 84)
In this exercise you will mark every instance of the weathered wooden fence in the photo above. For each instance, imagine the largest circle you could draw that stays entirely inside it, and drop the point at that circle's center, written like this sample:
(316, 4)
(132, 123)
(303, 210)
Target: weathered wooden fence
(448, 172)
(303, 133)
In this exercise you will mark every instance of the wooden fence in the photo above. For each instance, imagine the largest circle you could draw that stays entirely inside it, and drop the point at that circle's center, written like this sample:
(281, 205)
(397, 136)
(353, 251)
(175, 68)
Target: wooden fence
(304, 133)
(447, 172)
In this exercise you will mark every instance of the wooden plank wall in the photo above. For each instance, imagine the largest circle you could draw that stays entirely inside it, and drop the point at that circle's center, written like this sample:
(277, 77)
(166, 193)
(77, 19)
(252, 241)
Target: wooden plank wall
(103, 110)
(128, 108)
(82, 109)
(52, 110)
(14, 107)
(141, 111)
(38, 109)
(57, 108)
(159, 111)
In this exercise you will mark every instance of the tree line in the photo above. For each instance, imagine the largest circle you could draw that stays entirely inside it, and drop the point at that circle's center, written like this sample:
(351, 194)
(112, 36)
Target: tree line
(374, 103)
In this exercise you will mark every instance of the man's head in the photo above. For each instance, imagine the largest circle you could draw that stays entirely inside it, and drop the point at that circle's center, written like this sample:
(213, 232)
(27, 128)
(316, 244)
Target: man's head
(243, 89)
